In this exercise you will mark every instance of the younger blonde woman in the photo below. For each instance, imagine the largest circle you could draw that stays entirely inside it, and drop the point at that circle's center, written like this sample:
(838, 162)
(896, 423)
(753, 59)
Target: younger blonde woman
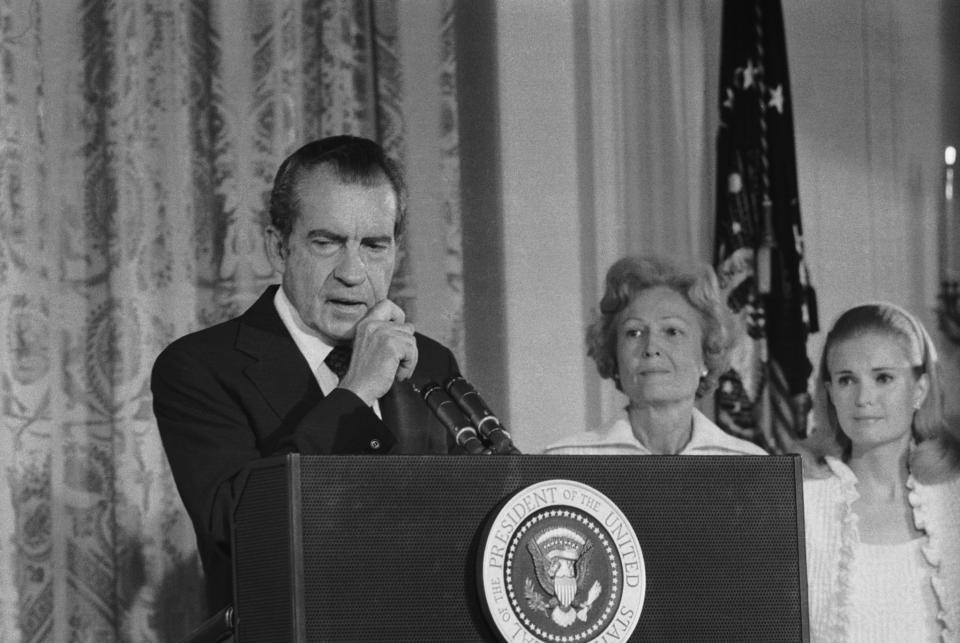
(883, 512)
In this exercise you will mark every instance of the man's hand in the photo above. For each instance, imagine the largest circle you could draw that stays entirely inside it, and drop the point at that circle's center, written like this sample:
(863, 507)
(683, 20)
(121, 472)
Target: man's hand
(384, 351)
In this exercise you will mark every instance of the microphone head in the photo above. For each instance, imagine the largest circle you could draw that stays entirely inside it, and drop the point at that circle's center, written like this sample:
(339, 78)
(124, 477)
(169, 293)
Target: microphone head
(467, 397)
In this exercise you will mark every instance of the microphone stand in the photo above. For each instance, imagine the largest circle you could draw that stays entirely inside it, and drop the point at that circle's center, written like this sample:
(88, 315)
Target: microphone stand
(216, 629)
(491, 430)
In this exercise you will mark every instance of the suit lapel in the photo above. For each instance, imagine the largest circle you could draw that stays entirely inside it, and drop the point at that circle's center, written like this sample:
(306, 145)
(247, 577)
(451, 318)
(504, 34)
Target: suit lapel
(279, 372)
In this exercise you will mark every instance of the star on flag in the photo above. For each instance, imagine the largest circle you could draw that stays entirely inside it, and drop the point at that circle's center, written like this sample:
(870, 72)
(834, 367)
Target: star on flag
(776, 98)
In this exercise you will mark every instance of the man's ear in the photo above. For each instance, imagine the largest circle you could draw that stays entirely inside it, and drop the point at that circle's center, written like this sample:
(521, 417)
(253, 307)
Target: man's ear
(276, 248)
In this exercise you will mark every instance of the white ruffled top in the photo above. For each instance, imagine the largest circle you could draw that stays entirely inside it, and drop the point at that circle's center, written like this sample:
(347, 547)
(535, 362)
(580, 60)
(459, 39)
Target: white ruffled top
(891, 598)
(836, 577)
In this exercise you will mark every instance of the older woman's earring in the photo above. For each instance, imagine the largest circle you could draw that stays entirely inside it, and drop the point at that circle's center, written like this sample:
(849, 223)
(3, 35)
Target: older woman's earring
(704, 372)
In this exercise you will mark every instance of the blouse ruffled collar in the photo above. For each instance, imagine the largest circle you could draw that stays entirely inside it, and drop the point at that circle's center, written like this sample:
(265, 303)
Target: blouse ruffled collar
(923, 502)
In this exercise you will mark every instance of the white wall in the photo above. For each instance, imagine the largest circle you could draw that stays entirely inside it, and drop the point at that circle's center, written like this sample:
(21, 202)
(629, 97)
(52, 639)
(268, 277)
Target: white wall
(541, 219)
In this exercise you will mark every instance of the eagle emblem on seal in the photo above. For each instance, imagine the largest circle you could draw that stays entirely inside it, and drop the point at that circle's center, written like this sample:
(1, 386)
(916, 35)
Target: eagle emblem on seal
(561, 558)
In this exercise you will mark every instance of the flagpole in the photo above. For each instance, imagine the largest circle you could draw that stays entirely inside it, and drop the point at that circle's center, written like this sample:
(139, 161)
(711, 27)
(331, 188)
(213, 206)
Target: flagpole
(764, 258)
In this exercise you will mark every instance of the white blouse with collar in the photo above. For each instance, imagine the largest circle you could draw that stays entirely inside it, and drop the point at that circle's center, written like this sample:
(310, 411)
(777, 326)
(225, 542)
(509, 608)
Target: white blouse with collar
(833, 545)
(617, 438)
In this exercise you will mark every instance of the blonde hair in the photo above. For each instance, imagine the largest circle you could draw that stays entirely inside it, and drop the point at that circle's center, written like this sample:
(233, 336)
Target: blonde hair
(936, 455)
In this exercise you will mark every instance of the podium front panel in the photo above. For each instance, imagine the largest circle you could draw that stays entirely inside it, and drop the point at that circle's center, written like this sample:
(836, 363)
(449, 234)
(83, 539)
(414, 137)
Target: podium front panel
(385, 548)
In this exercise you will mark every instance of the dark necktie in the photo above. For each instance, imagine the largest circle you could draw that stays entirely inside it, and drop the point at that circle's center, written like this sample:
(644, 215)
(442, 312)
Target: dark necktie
(338, 360)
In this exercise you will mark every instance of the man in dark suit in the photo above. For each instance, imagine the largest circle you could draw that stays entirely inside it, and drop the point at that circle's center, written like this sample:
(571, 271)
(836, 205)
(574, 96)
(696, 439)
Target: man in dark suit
(317, 365)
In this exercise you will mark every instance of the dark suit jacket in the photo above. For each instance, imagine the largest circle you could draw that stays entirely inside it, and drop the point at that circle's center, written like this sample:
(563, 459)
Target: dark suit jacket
(241, 390)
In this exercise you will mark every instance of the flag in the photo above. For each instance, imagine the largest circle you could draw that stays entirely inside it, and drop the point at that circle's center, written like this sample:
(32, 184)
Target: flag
(759, 239)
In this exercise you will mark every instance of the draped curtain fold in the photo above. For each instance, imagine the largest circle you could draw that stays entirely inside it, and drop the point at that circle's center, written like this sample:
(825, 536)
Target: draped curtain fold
(139, 142)
(672, 83)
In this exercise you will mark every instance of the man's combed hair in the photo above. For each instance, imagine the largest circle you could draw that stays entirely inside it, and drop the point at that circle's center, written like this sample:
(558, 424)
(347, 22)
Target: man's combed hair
(699, 287)
(351, 159)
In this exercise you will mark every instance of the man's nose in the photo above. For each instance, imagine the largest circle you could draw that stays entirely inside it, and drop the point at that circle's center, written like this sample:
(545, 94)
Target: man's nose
(350, 269)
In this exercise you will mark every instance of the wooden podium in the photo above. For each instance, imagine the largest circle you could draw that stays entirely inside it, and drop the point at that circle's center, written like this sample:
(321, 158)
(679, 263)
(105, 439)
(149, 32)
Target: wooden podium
(386, 548)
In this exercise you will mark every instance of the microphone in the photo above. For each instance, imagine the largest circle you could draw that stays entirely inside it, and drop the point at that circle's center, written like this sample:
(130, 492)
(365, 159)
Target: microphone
(451, 417)
(489, 426)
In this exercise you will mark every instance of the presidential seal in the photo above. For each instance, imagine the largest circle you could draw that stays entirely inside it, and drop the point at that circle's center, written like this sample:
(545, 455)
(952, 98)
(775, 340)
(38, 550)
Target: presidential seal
(562, 564)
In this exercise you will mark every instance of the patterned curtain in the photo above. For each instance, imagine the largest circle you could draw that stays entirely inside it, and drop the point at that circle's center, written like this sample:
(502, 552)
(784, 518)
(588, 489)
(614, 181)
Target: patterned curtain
(139, 141)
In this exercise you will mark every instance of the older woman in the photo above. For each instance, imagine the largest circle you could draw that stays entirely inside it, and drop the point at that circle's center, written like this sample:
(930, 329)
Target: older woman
(663, 335)
(883, 512)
